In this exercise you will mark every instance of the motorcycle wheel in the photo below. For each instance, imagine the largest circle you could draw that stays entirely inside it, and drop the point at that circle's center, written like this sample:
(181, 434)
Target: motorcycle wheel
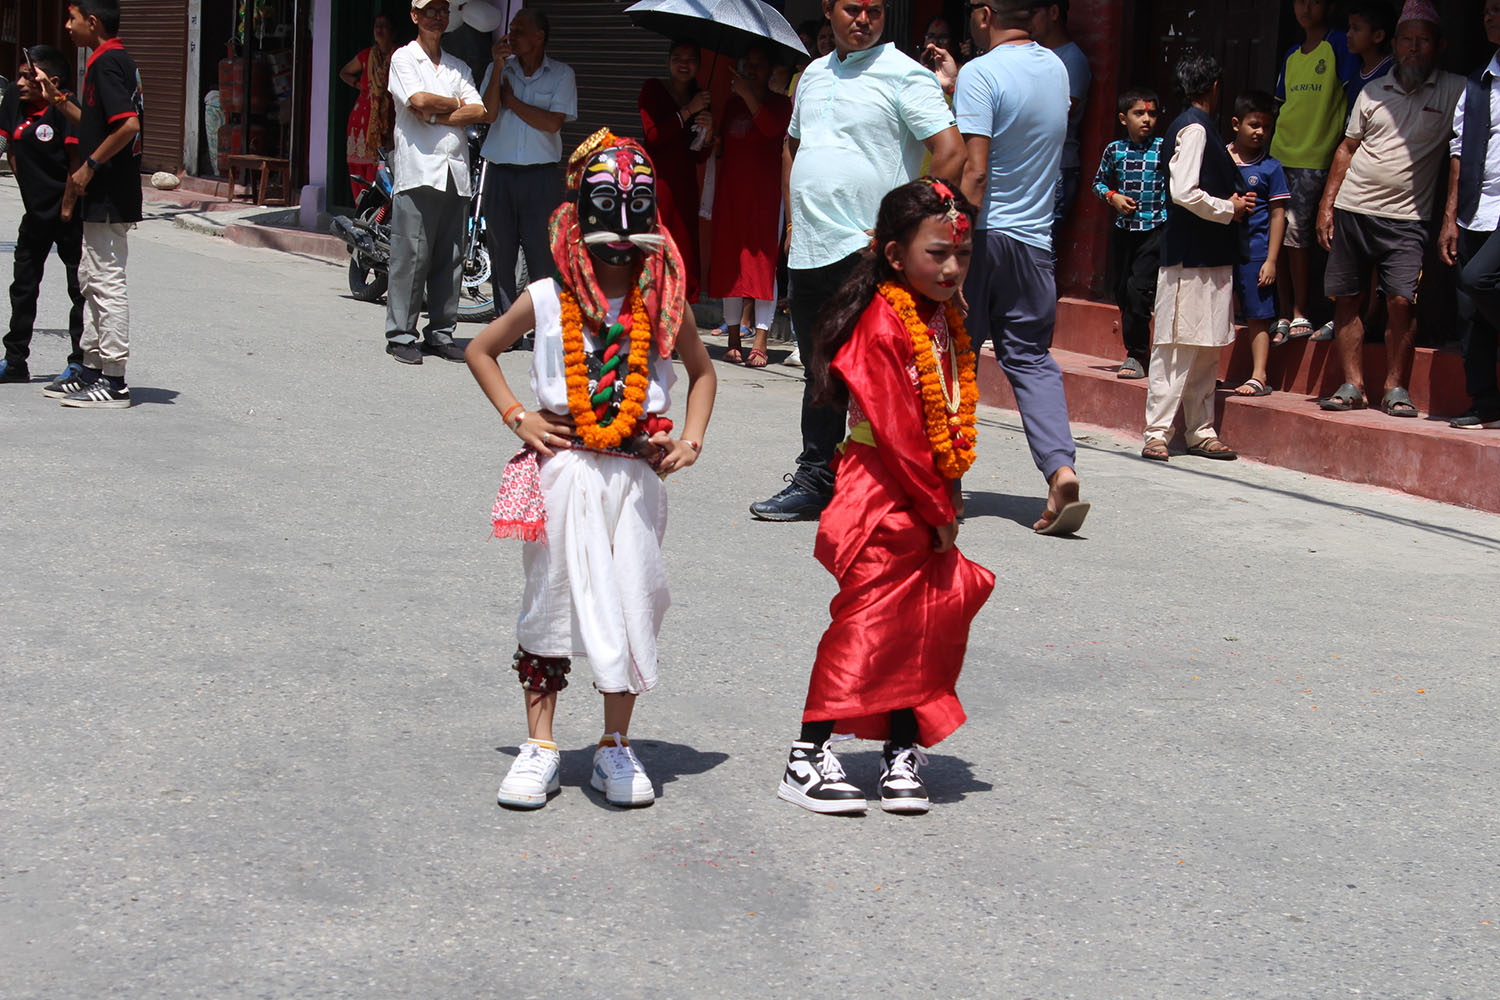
(366, 283)
(476, 302)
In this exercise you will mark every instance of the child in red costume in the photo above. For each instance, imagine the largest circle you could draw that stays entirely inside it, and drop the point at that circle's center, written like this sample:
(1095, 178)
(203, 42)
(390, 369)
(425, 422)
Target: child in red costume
(892, 345)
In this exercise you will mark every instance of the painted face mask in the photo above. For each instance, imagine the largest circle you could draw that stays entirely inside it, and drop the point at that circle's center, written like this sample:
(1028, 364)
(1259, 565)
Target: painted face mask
(617, 204)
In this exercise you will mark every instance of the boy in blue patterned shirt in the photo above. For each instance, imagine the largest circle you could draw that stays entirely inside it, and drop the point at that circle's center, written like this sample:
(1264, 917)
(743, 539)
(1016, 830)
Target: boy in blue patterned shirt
(1132, 180)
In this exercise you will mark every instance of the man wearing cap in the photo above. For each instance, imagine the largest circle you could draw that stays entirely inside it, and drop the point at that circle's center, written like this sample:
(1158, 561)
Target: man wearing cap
(435, 98)
(1378, 201)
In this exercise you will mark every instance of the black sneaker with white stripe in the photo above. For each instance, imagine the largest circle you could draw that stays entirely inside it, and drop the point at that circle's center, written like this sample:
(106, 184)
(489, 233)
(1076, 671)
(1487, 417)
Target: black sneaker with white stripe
(101, 394)
(70, 380)
(901, 788)
(814, 779)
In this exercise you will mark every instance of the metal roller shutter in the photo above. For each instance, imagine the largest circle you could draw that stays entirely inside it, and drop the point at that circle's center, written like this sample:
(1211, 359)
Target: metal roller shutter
(155, 33)
(610, 57)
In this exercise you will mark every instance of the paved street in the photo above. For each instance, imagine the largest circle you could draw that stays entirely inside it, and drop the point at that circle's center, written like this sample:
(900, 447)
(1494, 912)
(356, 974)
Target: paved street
(1236, 742)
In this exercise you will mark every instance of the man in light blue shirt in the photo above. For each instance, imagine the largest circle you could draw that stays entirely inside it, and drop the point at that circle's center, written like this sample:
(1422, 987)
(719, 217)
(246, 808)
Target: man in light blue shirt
(864, 115)
(528, 99)
(1012, 108)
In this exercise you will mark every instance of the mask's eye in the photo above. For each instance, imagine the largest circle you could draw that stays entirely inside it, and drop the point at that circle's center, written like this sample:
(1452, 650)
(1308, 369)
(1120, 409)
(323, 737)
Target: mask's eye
(604, 197)
(640, 204)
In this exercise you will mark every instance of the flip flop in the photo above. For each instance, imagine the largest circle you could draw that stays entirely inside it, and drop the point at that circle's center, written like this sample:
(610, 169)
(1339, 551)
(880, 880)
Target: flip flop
(1223, 453)
(1299, 328)
(1257, 387)
(1398, 397)
(1343, 399)
(1066, 521)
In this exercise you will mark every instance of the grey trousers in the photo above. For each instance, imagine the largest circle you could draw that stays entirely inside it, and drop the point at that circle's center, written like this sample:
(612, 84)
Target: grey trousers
(427, 236)
(518, 201)
(1013, 304)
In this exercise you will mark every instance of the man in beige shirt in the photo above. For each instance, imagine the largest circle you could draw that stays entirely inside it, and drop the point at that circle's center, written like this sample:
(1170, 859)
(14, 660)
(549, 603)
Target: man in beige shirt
(1379, 197)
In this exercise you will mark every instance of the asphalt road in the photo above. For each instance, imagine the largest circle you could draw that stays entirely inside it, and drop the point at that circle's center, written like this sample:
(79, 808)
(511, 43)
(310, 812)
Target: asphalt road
(1235, 742)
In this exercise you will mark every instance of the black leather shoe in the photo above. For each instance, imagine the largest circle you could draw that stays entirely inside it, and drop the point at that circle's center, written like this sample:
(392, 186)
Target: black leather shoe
(795, 503)
(448, 352)
(407, 354)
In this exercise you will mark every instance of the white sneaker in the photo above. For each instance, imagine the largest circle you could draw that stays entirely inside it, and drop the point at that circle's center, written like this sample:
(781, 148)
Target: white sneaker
(531, 778)
(619, 775)
(793, 360)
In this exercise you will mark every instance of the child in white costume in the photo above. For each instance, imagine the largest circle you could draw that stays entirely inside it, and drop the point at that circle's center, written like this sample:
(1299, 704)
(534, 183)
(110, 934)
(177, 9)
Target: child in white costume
(586, 492)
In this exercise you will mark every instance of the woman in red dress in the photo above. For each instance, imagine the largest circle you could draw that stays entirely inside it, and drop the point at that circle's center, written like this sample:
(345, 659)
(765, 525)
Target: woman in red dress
(747, 206)
(893, 348)
(373, 115)
(679, 136)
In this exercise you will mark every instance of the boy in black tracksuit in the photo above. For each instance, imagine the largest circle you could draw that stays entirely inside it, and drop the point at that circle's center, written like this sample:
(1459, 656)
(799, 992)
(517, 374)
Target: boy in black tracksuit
(43, 150)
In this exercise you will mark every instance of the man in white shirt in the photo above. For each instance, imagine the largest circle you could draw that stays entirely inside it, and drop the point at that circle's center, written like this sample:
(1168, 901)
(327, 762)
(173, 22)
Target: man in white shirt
(1470, 221)
(435, 98)
(863, 115)
(529, 97)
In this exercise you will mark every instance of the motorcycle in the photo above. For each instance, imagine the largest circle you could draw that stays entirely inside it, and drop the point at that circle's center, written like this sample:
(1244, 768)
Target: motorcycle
(367, 233)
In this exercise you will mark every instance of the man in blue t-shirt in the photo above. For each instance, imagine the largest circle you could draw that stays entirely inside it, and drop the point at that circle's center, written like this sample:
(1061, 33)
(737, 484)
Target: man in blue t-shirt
(1012, 109)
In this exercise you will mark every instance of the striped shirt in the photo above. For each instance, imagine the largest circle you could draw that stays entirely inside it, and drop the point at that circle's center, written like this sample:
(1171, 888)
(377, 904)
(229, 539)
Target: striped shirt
(1136, 172)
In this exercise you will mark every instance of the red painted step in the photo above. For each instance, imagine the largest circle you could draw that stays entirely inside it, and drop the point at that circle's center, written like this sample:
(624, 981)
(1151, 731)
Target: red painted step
(1424, 456)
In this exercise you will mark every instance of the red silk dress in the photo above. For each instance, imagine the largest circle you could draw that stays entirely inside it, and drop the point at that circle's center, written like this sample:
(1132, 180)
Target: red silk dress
(901, 617)
(667, 140)
(747, 200)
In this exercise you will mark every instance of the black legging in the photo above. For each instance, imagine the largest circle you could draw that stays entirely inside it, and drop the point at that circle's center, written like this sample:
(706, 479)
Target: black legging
(903, 730)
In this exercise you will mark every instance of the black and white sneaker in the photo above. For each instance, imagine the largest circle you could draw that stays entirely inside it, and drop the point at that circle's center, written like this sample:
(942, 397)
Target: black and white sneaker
(70, 380)
(101, 394)
(814, 779)
(901, 788)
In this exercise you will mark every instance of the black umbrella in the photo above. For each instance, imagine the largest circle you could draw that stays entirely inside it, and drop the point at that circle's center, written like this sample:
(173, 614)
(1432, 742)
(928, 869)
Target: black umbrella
(729, 27)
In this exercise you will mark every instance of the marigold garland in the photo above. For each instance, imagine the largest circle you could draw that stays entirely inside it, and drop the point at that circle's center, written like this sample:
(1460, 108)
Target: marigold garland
(951, 435)
(575, 369)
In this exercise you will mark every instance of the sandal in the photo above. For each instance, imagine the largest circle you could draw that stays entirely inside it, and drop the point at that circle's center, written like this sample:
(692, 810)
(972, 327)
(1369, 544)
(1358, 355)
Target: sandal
(1346, 397)
(1299, 328)
(1155, 451)
(1397, 403)
(733, 354)
(1281, 332)
(1253, 387)
(1130, 368)
(1207, 449)
(756, 358)
(1325, 333)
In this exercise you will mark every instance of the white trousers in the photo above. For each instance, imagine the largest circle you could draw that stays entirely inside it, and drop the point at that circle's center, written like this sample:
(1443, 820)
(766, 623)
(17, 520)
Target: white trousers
(764, 310)
(1181, 376)
(597, 587)
(101, 276)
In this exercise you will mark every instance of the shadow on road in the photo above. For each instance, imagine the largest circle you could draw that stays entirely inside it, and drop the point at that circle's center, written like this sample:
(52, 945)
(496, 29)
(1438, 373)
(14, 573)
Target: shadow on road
(147, 394)
(1022, 510)
(948, 779)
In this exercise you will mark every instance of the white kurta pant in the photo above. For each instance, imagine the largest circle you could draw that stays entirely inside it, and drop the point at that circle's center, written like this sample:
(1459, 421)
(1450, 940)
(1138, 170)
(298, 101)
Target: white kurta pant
(1194, 322)
(597, 586)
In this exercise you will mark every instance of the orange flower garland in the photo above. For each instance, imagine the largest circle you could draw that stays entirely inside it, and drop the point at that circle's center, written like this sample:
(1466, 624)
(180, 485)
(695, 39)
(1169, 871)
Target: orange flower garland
(950, 432)
(575, 370)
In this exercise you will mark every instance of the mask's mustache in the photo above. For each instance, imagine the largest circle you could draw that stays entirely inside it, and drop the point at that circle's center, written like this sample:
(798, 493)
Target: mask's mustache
(646, 241)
